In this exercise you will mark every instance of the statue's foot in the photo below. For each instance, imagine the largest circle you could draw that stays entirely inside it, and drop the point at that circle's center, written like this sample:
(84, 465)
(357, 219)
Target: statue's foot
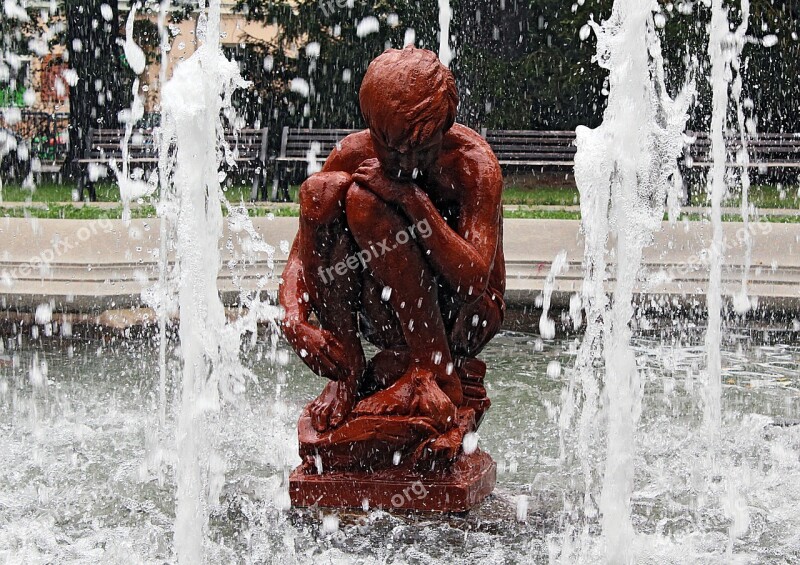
(332, 406)
(396, 400)
(414, 394)
(445, 448)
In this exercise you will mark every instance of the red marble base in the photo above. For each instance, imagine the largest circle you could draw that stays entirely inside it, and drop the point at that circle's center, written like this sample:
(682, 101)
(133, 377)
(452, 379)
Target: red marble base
(462, 487)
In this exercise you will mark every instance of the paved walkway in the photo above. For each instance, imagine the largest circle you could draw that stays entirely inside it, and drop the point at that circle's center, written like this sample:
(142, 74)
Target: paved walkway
(96, 265)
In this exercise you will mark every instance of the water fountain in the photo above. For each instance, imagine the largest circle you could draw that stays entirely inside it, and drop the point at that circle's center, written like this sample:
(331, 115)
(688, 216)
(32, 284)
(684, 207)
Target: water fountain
(623, 193)
(681, 470)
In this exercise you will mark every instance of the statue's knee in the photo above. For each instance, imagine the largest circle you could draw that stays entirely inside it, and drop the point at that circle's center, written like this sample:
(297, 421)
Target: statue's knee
(322, 196)
(362, 208)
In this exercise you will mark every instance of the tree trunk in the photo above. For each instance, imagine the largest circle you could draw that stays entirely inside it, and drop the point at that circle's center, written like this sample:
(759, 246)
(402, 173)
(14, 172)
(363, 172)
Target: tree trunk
(103, 76)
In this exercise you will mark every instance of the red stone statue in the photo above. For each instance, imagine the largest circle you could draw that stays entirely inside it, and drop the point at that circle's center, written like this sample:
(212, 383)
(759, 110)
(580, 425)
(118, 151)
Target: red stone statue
(400, 243)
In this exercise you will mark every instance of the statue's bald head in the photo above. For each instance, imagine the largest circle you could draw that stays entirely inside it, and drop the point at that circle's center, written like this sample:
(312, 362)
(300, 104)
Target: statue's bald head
(408, 95)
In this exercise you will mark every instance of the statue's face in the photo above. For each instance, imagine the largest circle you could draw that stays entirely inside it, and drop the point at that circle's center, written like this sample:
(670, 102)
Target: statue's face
(402, 160)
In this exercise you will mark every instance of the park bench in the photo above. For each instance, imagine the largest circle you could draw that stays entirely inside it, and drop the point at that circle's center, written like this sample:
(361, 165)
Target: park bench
(532, 148)
(249, 148)
(512, 147)
(557, 148)
(766, 150)
(299, 146)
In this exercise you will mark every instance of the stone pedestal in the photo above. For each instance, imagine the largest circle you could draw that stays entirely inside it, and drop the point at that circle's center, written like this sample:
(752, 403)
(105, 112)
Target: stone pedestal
(462, 487)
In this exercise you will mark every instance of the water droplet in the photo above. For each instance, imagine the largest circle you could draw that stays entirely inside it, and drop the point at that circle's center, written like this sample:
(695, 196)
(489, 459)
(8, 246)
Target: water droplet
(554, 369)
(470, 443)
(330, 524)
(770, 40)
(522, 508)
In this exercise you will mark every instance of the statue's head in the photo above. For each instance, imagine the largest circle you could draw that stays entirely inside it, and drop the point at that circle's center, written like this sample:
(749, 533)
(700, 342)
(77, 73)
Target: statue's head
(409, 101)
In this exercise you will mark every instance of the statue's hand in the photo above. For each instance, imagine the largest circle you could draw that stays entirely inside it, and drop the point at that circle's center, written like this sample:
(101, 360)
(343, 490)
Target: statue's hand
(320, 350)
(370, 175)
(476, 325)
(333, 405)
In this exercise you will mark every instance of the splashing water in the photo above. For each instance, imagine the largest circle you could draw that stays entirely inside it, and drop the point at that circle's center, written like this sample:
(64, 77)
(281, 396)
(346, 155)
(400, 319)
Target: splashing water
(547, 327)
(192, 117)
(621, 190)
(445, 15)
(192, 149)
(129, 188)
(623, 170)
(725, 49)
(741, 301)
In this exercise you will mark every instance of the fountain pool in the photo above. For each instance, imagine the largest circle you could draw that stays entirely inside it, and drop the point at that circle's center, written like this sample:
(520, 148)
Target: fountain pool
(85, 476)
(119, 451)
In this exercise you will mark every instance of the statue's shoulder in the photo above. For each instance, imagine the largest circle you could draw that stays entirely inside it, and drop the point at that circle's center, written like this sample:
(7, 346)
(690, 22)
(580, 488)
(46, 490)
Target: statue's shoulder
(476, 157)
(350, 152)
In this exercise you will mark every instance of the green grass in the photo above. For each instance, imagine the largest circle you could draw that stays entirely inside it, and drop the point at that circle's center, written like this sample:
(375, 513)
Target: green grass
(541, 196)
(762, 196)
(765, 218)
(541, 214)
(279, 211)
(71, 212)
(106, 192)
(52, 192)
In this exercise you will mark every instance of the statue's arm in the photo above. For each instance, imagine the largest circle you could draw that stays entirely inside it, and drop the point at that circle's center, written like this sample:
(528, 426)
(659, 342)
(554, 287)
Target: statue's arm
(291, 292)
(464, 258)
(318, 348)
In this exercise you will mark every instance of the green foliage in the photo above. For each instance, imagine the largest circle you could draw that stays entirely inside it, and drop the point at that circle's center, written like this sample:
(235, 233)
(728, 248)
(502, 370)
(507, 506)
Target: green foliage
(334, 77)
(519, 66)
(771, 75)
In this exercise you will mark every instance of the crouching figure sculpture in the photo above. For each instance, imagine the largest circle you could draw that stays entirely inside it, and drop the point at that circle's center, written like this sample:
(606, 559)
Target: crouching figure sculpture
(400, 244)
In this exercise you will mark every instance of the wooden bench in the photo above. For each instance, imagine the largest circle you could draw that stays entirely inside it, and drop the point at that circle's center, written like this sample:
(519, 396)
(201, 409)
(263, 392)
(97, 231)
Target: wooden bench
(766, 150)
(532, 148)
(557, 148)
(249, 147)
(299, 146)
(512, 147)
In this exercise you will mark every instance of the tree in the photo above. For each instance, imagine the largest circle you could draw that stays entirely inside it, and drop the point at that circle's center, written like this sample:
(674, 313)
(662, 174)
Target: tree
(101, 81)
(515, 68)
(519, 64)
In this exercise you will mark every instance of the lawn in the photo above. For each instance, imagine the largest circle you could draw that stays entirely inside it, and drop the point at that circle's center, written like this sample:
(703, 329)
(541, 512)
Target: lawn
(541, 196)
(80, 212)
(762, 196)
(106, 192)
(58, 198)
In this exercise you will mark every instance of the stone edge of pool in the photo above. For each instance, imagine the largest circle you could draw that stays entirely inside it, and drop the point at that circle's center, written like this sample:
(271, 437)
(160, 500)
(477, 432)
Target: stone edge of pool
(94, 271)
